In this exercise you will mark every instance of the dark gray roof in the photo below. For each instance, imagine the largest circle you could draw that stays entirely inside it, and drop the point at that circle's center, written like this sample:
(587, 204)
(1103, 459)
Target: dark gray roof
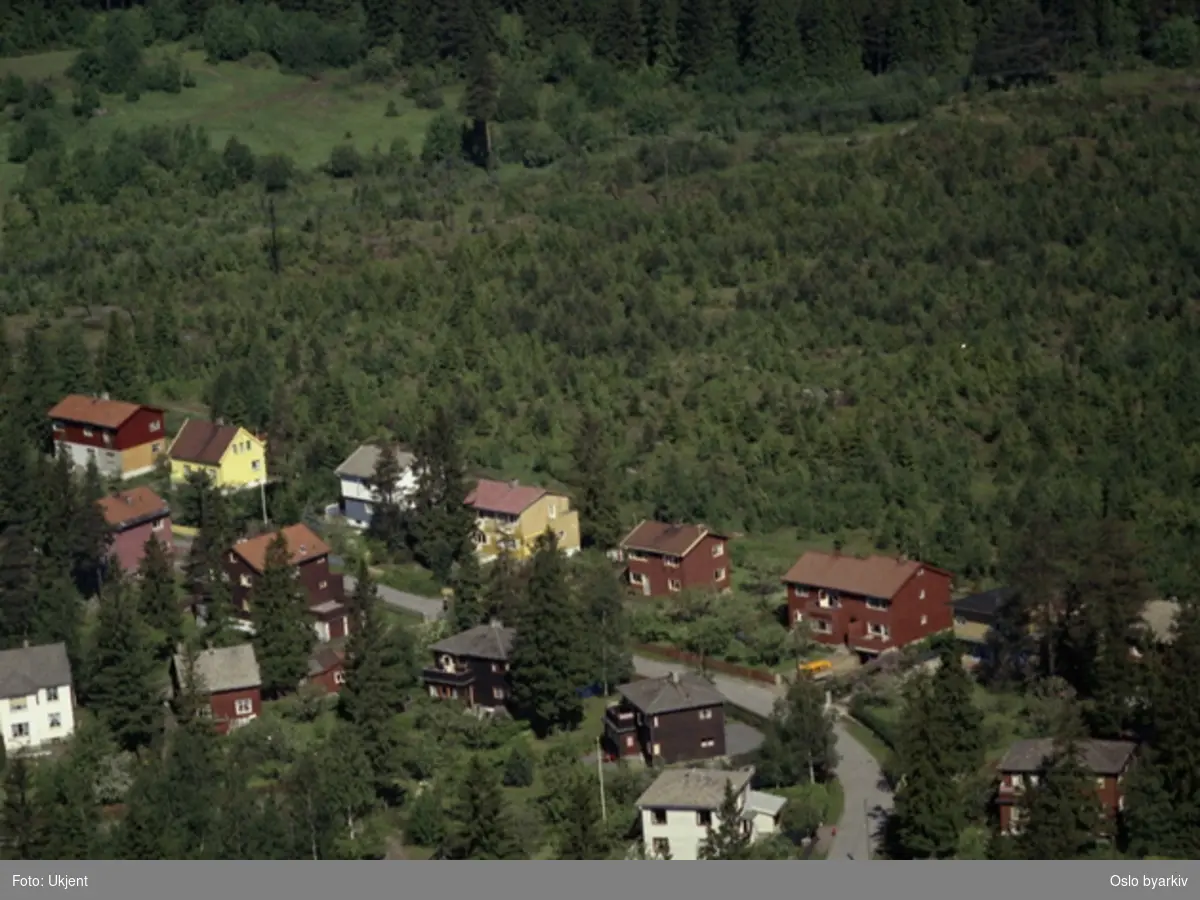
(1100, 757)
(984, 605)
(693, 788)
(361, 463)
(671, 693)
(481, 642)
(220, 669)
(29, 669)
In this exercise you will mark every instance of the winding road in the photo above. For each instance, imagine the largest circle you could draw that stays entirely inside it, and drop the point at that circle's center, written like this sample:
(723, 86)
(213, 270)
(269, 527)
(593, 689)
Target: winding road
(868, 799)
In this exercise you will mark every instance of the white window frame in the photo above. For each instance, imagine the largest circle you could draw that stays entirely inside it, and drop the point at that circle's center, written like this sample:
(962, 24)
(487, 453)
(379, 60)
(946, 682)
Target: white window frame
(55, 720)
(499, 693)
(708, 744)
(876, 604)
(658, 817)
(156, 425)
(20, 730)
(51, 695)
(87, 432)
(674, 584)
(719, 575)
(243, 706)
(671, 562)
(877, 630)
(18, 704)
(705, 714)
(661, 846)
(244, 580)
(158, 525)
(820, 626)
(718, 549)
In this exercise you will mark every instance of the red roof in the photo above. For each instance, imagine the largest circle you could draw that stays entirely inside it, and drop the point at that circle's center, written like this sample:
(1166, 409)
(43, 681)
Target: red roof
(98, 411)
(665, 539)
(133, 506)
(505, 497)
(302, 545)
(872, 576)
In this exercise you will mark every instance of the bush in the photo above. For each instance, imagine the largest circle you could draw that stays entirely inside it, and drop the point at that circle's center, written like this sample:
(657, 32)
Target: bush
(345, 161)
(33, 136)
(518, 96)
(379, 65)
(1177, 44)
(519, 767)
(443, 141)
(239, 160)
(650, 114)
(12, 90)
(423, 89)
(87, 101)
(275, 172)
(533, 144)
(426, 822)
(392, 110)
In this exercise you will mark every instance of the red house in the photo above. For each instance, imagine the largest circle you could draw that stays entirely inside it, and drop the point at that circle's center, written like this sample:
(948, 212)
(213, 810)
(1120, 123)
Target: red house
(124, 440)
(1026, 761)
(231, 679)
(869, 604)
(309, 555)
(134, 517)
(663, 559)
(327, 668)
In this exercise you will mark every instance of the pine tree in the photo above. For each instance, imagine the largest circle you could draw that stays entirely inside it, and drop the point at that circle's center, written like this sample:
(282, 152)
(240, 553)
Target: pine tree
(582, 834)
(123, 685)
(546, 653)
(443, 524)
(18, 825)
(547, 21)
(68, 824)
(928, 815)
(283, 637)
(387, 523)
(480, 826)
(621, 38)
(504, 588)
(662, 31)
(76, 374)
(600, 595)
(959, 719)
(467, 606)
(707, 37)
(91, 533)
(799, 744)
(834, 41)
(480, 100)
(773, 45)
(728, 840)
(120, 363)
(1060, 815)
(382, 20)
(158, 600)
(37, 385)
(599, 510)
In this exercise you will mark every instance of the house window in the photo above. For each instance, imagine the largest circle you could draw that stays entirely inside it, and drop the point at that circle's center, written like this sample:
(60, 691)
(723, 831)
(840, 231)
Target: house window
(87, 432)
(498, 693)
(634, 556)
(156, 425)
(232, 558)
(322, 585)
(553, 511)
(1031, 780)
(658, 816)
(827, 601)
(256, 465)
(204, 712)
(51, 695)
(718, 550)
(704, 818)
(629, 740)
(674, 584)
(708, 744)
(656, 721)
(876, 603)
(924, 620)
(802, 592)
(873, 628)
(107, 439)
(671, 562)
(56, 720)
(497, 668)
(719, 575)
(920, 572)
(58, 426)
(799, 617)
(243, 706)
(339, 677)
(156, 447)
(157, 526)
(922, 597)
(20, 729)
(16, 704)
(1100, 782)
(635, 578)
(820, 626)
(244, 581)
(705, 714)
(960, 621)
(661, 846)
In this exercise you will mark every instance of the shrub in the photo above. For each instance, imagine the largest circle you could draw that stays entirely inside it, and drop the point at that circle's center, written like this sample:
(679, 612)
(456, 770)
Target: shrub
(423, 89)
(443, 141)
(34, 135)
(87, 101)
(12, 90)
(519, 767)
(345, 161)
(275, 172)
(533, 144)
(1177, 44)
(379, 65)
(392, 110)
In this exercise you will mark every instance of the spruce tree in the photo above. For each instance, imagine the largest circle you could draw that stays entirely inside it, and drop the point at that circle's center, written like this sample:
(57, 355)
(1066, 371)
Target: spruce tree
(76, 375)
(467, 606)
(928, 815)
(595, 478)
(519, 767)
(387, 523)
(90, 532)
(1060, 814)
(546, 655)
(123, 684)
(834, 43)
(283, 636)
(382, 21)
(68, 815)
(707, 36)
(18, 825)
(144, 832)
(582, 834)
(773, 46)
(598, 591)
(120, 362)
(443, 524)
(799, 745)
(621, 38)
(59, 613)
(662, 33)
(480, 824)
(504, 588)
(728, 840)
(959, 719)
(158, 600)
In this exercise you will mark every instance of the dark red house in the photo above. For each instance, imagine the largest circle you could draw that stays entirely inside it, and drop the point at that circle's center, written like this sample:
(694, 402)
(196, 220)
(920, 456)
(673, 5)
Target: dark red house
(663, 559)
(124, 440)
(136, 516)
(676, 718)
(1025, 762)
(327, 667)
(868, 604)
(231, 679)
(323, 590)
(472, 666)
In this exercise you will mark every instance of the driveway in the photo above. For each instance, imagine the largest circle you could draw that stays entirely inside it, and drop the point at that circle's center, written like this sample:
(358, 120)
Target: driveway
(868, 799)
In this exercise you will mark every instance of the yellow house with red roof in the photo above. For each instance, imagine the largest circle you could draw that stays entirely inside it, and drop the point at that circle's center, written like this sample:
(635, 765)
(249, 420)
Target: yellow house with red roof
(513, 516)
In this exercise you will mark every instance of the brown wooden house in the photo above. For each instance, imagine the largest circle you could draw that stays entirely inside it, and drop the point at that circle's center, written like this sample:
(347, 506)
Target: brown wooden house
(231, 679)
(675, 718)
(1025, 762)
(327, 667)
(472, 666)
(663, 559)
(324, 591)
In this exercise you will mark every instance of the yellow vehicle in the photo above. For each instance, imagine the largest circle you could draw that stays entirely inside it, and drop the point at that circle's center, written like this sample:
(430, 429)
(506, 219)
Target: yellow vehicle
(818, 668)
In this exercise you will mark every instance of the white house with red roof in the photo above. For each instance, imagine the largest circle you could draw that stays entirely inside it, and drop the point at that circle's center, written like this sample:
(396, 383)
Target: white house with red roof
(512, 516)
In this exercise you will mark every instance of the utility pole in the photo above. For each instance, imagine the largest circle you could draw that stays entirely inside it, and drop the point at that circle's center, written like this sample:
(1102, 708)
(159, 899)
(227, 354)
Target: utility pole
(867, 823)
(604, 649)
(600, 772)
(262, 493)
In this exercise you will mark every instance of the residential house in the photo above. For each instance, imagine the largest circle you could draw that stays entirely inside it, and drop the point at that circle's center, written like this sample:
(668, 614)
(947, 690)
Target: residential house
(232, 457)
(974, 618)
(682, 805)
(671, 719)
(231, 679)
(125, 440)
(324, 591)
(472, 666)
(1025, 762)
(37, 703)
(868, 604)
(662, 559)
(358, 499)
(327, 667)
(514, 516)
(136, 516)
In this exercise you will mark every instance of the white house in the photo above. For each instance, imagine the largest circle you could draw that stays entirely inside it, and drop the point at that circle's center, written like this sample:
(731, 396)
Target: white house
(357, 499)
(37, 705)
(681, 806)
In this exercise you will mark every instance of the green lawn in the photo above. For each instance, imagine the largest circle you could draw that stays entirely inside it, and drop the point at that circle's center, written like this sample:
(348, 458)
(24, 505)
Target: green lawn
(410, 578)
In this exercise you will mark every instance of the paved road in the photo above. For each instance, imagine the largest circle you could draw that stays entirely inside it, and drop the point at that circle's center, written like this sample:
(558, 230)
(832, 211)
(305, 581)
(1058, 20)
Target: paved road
(867, 796)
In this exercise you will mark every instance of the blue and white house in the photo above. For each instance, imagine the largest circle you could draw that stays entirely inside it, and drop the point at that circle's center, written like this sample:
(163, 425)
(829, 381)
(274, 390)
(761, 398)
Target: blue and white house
(357, 499)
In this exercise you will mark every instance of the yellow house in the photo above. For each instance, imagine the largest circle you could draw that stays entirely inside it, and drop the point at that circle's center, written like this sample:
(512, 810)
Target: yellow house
(514, 516)
(232, 457)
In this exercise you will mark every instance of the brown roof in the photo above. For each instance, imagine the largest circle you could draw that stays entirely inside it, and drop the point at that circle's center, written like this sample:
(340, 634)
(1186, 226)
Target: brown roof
(505, 497)
(135, 506)
(302, 546)
(96, 411)
(202, 442)
(663, 538)
(1098, 757)
(872, 576)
